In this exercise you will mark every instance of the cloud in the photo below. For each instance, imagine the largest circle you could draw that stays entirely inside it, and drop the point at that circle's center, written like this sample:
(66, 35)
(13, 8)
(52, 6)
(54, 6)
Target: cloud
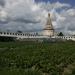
(25, 20)
(21, 14)
(71, 12)
(62, 15)
(57, 5)
(27, 15)
(2, 3)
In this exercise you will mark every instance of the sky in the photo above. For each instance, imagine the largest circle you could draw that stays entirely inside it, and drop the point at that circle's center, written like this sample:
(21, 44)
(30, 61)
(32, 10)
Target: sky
(71, 2)
(31, 15)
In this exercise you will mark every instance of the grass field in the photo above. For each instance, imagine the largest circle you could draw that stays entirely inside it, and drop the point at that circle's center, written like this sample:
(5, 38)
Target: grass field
(35, 58)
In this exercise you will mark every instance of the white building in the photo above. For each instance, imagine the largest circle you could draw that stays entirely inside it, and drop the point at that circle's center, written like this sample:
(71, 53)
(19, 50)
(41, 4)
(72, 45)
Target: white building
(48, 33)
(48, 30)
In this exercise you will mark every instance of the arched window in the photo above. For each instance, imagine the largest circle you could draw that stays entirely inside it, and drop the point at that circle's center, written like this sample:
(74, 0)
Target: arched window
(7, 33)
(4, 32)
(0, 32)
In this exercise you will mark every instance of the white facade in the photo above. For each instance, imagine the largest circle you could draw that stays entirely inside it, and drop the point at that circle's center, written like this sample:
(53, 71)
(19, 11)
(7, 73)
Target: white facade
(25, 35)
(48, 32)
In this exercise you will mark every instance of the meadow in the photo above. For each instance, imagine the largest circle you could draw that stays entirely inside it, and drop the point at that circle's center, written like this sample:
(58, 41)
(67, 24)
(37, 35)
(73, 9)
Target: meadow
(37, 58)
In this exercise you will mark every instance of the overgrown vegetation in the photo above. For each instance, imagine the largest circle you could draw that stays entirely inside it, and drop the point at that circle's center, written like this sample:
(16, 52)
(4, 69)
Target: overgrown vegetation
(35, 58)
(6, 39)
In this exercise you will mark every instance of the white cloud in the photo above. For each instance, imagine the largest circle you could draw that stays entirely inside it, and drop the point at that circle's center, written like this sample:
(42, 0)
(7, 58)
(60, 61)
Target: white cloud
(60, 5)
(71, 12)
(28, 15)
(57, 5)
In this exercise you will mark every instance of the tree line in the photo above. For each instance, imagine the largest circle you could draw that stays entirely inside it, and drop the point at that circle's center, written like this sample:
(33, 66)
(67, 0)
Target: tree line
(6, 39)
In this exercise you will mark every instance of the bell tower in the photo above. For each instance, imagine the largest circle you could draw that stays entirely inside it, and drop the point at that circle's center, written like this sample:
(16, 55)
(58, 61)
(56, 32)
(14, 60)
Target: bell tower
(48, 30)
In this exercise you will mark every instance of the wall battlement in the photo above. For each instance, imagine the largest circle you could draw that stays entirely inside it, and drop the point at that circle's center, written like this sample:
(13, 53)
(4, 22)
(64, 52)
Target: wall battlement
(34, 36)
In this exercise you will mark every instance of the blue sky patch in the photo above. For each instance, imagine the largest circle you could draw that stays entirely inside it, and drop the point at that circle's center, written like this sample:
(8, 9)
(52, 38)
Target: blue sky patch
(71, 2)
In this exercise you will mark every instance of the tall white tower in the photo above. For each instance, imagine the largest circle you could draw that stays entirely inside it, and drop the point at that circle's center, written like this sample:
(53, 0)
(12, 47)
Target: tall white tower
(48, 30)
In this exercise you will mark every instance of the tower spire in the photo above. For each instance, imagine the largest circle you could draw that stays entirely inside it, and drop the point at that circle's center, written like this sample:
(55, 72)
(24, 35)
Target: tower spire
(48, 30)
(48, 14)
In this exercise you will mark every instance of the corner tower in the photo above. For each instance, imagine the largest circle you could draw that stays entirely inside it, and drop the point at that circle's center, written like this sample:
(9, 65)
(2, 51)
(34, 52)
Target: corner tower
(48, 30)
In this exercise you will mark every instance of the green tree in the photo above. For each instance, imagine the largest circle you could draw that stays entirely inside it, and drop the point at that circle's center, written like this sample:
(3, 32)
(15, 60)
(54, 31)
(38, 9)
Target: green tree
(19, 31)
(60, 34)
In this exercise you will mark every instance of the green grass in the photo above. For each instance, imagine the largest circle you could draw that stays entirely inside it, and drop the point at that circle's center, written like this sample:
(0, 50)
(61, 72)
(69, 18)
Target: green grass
(34, 58)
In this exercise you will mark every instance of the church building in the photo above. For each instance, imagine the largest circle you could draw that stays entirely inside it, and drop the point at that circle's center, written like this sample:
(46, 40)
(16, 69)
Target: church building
(48, 30)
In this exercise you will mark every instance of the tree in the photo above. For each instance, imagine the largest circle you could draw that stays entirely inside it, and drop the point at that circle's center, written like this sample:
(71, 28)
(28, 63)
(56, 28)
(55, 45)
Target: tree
(19, 31)
(60, 34)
